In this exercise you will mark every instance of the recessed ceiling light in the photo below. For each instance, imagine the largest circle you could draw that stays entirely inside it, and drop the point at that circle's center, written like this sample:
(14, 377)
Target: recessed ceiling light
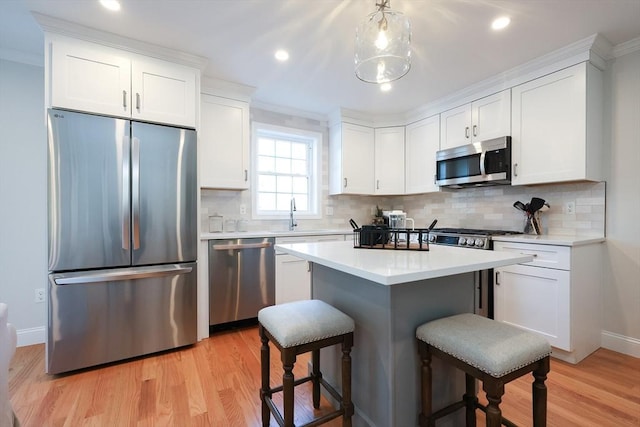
(111, 4)
(282, 55)
(500, 23)
(385, 87)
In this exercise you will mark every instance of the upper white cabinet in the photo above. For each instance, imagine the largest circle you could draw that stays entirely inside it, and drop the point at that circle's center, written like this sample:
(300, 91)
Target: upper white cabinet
(90, 77)
(421, 144)
(485, 118)
(351, 159)
(557, 127)
(224, 143)
(389, 160)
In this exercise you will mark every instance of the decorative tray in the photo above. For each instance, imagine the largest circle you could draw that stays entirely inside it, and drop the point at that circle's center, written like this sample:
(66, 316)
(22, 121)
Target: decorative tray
(381, 237)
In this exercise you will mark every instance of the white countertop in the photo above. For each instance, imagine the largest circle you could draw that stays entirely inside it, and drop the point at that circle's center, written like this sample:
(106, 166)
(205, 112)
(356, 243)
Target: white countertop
(252, 234)
(390, 267)
(549, 239)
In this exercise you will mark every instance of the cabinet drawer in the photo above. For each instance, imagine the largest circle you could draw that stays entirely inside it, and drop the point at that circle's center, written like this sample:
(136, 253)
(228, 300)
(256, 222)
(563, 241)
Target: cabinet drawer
(548, 256)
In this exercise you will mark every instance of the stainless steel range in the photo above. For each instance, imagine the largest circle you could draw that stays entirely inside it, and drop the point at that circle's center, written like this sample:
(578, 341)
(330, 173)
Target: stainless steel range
(473, 239)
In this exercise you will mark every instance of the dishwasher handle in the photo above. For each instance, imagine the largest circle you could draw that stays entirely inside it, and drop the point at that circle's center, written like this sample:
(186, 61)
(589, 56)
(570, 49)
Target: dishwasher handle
(239, 246)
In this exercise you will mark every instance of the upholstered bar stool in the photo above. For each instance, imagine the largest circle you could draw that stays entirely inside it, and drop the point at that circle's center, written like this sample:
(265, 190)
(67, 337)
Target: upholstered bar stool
(491, 351)
(299, 327)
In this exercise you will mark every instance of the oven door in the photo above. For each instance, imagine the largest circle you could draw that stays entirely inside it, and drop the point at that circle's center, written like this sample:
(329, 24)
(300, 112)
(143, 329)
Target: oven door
(484, 293)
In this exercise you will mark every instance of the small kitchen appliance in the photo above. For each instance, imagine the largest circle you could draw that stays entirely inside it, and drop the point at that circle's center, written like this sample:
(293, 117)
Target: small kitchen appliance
(398, 219)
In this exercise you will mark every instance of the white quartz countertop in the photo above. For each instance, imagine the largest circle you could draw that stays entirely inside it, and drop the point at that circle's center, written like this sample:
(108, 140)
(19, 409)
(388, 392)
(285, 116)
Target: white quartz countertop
(390, 267)
(252, 234)
(550, 239)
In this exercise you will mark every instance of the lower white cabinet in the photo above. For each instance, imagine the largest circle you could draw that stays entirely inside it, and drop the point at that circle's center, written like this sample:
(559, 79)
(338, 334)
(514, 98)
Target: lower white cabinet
(293, 274)
(557, 295)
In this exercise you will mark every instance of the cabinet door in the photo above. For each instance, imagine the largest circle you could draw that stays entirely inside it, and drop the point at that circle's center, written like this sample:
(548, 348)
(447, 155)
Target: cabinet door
(491, 116)
(224, 143)
(90, 77)
(549, 128)
(455, 127)
(357, 159)
(389, 160)
(422, 143)
(293, 279)
(536, 299)
(163, 92)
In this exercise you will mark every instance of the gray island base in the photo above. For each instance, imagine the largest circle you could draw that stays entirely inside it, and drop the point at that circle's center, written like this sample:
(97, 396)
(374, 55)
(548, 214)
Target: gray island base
(389, 294)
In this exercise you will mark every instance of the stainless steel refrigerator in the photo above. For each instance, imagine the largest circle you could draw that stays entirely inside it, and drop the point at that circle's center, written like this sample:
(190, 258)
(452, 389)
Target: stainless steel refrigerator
(122, 239)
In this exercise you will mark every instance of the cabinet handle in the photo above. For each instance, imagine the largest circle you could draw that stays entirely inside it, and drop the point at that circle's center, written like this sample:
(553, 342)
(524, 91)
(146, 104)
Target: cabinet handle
(435, 178)
(246, 175)
(533, 255)
(475, 130)
(466, 132)
(345, 183)
(308, 267)
(138, 102)
(377, 184)
(515, 169)
(497, 278)
(124, 99)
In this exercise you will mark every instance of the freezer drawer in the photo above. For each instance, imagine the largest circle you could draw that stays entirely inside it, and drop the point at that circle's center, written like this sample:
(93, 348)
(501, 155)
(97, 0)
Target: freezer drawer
(108, 315)
(241, 278)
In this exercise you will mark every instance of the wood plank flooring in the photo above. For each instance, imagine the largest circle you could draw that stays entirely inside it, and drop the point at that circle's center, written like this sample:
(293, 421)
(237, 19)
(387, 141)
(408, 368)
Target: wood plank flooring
(216, 383)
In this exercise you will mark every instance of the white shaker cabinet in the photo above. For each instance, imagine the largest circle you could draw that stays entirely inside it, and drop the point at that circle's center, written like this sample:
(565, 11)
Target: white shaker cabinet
(389, 160)
(557, 127)
(421, 144)
(351, 159)
(483, 119)
(557, 295)
(91, 77)
(293, 274)
(224, 143)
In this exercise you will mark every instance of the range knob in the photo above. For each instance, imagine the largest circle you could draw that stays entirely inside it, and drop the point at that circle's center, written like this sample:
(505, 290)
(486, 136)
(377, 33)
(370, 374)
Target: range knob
(479, 243)
(432, 238)
(470, 242)
(462, 241)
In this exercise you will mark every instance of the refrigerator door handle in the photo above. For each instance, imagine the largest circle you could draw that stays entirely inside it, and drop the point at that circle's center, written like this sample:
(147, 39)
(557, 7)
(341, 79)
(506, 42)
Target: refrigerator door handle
(126, 216)
(135, 190)
(117, 275)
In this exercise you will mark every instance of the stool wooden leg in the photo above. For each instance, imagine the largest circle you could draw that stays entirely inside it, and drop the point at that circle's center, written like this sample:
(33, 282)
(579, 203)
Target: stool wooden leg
(470, 399)
(265, 372)
(494, 390)
(316, 376)
(425, 383)
(539, 391)
(288, 360)
(347, 404)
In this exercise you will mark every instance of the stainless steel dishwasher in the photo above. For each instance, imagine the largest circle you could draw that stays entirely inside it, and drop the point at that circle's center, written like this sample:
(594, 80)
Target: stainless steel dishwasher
(241, 278)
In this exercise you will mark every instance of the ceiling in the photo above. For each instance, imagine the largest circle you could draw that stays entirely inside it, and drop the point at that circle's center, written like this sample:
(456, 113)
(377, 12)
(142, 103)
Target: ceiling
(453, 46)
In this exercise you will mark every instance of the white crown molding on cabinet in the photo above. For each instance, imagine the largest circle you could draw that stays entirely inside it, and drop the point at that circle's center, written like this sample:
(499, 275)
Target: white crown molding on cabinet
(595, 49)
(70, 29)
(322, 118)
(626, 47)
(226, 89)
(21, 57)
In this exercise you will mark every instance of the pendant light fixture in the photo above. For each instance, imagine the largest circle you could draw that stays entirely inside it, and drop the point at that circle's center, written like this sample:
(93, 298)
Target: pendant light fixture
(383, 45)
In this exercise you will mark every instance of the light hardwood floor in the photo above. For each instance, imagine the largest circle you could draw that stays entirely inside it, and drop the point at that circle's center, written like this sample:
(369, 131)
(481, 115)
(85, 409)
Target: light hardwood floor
(216, 383)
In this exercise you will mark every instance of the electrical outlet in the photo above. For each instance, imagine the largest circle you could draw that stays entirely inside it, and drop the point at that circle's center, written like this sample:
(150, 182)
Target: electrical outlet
(243, 209)
(39, 295)
(570, 208)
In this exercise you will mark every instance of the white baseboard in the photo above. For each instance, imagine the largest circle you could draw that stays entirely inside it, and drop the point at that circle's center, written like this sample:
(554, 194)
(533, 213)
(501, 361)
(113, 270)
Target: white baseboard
(621, 343)
(31, 336)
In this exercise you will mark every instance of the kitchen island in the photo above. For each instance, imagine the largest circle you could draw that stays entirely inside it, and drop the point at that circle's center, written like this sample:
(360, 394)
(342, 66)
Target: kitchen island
(389, 293)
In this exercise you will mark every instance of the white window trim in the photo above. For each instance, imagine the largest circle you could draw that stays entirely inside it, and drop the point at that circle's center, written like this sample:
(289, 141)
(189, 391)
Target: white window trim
(315, 200)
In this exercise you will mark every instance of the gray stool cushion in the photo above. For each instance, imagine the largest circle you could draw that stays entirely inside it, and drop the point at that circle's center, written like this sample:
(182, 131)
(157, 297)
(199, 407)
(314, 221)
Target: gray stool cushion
(492, 347)
(302, 322)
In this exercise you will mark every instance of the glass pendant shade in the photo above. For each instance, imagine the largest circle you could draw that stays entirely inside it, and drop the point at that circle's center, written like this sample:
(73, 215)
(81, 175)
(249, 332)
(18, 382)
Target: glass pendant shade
(383, 46)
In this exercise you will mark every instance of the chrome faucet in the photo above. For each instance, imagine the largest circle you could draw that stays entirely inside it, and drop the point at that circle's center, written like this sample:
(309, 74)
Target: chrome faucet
(292, 208)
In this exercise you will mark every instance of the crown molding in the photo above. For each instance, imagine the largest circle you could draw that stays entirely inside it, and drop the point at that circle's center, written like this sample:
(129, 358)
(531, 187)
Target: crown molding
(71, 29)
(226, 89)
(322, 118)
(21, 57)
(626, 47)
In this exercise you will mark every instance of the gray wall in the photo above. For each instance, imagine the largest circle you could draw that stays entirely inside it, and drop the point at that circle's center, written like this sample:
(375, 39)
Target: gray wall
(23, 197)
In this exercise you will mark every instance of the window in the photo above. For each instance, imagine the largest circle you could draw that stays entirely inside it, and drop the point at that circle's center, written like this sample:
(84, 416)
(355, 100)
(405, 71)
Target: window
(285, 167)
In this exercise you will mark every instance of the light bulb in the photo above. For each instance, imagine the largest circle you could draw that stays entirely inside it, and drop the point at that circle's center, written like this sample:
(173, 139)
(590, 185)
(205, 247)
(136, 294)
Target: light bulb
(382, 42)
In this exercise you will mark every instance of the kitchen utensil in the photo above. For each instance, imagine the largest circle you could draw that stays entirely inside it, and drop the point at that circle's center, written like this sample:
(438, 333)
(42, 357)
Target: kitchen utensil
(353, 224)
(519, 205)
(433, 224)
(535, 204)
(536, 226)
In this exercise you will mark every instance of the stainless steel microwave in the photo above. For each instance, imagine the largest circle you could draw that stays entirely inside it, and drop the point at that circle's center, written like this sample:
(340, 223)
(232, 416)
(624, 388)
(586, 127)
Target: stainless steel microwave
(475, 165)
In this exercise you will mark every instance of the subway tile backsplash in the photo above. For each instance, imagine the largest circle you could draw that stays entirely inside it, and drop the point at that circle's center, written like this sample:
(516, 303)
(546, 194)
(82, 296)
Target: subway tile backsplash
(488, 207)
